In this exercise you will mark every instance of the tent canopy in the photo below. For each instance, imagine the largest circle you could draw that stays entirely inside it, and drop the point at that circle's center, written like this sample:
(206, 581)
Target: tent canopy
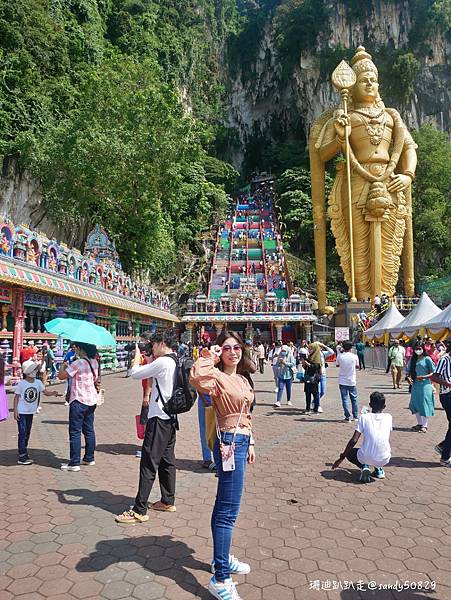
(440, 322)
(391, 318)
(416, 319)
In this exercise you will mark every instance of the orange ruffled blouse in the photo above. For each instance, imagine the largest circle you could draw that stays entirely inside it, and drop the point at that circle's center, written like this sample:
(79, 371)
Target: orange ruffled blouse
(227, 392)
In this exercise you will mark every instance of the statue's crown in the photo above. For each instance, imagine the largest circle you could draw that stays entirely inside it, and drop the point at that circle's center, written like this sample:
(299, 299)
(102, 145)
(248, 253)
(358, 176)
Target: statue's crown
(361, 62)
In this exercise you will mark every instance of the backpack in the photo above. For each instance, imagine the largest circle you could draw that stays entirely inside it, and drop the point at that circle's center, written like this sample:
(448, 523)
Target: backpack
(183, 394)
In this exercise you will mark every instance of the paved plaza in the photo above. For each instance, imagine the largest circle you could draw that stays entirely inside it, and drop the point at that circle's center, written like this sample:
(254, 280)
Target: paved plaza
(308, 532)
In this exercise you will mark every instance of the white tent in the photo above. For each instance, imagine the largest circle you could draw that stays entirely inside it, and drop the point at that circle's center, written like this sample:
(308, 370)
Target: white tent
(440, 322)
(391, 318)
(415, 320)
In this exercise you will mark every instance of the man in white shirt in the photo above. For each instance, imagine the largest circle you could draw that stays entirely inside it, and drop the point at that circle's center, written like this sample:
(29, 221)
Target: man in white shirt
(347, 381)
(375, 427)
(157, 454)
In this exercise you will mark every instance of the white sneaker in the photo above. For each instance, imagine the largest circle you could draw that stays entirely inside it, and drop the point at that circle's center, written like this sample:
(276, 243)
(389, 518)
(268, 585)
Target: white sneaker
(67, 467)
(289, 403)
(276, 390)
(138, 454)
(89, 463)
(66, 403)
(235, 565)
(276, 404)
(223, 591)
(39, 408)
(320, 410)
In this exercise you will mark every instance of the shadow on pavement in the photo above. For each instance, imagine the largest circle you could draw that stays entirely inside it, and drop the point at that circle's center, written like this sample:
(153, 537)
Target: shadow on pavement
(127, 449)
(194, 466)
(163, 556)
(412, 462)
(41, 457)
(344, 475)
(113, 503)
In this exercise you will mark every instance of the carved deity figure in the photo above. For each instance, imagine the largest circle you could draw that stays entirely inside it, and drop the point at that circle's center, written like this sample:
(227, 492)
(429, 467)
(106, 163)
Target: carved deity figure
(4, 243)
(382, 166)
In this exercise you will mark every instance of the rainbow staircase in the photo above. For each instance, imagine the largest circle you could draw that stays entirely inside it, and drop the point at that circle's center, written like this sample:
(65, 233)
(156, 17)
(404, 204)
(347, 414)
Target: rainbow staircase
(248, 257)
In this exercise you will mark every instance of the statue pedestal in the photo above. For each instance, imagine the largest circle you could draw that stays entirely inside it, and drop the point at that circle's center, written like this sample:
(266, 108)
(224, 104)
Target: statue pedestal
(345, 311)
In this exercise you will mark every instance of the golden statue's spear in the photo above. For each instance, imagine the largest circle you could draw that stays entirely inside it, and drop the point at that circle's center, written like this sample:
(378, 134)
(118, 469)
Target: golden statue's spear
(343, 78)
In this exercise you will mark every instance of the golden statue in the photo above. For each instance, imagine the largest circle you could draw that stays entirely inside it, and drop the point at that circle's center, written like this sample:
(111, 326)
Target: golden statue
(373, 233)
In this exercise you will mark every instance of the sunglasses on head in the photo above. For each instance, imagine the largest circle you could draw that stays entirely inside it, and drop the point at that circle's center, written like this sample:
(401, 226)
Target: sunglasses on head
(228, 348)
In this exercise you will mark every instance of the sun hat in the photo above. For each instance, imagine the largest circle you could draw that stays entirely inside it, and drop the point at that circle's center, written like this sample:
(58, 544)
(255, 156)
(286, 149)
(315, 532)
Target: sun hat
(29, 366)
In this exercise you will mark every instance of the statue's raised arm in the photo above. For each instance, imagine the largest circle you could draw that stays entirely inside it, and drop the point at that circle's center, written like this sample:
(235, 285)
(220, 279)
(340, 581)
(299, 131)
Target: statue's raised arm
(374, 232)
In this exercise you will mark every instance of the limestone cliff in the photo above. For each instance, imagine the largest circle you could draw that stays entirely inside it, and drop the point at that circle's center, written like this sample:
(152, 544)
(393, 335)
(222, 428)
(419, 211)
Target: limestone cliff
(266, 104)
(272, 94)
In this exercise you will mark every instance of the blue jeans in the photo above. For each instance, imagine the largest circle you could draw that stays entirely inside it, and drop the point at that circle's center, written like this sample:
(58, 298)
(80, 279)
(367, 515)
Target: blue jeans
(24, 429)
(228, 499)
(346, 392)
(81, 419)
(281, 383)
(206, 453)
(322, 386)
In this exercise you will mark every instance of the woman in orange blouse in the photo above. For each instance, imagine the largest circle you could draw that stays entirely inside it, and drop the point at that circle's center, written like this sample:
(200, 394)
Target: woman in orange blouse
(216, 373)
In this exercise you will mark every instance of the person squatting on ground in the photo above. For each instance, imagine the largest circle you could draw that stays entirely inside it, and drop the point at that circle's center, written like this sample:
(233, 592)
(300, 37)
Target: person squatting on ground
(375, 427)
(158, 449)
(419, 369)
(26, 402)
(442, 375)
(216, 373)
(84, 386)
(285, 371)
(347, 380)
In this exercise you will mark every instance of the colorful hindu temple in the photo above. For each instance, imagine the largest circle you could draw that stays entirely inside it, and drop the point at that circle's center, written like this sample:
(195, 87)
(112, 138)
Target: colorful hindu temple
(41, 279)
(249, 288)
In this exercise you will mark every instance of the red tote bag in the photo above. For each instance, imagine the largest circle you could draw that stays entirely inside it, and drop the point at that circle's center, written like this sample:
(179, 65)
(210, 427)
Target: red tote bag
(140, 429)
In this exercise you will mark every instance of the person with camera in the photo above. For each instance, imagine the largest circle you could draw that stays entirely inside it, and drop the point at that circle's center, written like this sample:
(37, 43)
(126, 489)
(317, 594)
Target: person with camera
(159, 440)
(217, 373)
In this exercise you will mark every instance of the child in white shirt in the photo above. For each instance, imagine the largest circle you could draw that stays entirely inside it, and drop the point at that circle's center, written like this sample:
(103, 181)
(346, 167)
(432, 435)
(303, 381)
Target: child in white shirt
(26, 402)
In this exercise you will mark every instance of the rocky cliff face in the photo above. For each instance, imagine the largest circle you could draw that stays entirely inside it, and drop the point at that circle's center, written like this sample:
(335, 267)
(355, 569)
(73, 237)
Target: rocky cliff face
(21, 203)
(264, 105)
(267, 104)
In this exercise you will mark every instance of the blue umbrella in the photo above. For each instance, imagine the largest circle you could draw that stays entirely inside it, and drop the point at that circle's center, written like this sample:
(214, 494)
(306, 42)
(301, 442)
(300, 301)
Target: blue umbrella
(80, 331)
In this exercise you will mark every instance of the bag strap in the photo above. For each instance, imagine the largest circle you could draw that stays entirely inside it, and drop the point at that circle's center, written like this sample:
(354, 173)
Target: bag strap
(160, 395)
(91, 367)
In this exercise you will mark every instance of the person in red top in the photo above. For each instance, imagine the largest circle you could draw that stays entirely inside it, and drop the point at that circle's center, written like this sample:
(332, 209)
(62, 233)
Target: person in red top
(27, 352)
(147, 358)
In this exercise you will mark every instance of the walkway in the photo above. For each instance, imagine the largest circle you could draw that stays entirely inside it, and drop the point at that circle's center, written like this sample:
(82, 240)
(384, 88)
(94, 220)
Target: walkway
(301, 526)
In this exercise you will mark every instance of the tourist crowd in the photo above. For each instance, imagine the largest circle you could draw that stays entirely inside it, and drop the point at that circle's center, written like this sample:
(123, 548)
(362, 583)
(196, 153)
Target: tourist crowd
(220, 373)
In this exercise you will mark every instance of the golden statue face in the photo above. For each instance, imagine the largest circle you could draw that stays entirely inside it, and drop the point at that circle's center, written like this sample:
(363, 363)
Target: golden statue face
(366, 88)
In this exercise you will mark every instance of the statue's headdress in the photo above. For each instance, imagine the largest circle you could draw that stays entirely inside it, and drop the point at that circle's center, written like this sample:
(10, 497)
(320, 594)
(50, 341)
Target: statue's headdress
(361, 62)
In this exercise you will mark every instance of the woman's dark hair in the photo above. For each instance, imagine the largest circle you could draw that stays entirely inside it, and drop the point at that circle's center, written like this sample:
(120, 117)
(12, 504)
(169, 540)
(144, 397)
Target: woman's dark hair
(377, 401)
(90, 349)
(245, 366)
(413, 361)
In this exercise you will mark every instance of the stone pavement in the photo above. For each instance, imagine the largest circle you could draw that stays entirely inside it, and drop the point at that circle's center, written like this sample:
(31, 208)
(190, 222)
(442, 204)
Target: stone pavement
(301, 525)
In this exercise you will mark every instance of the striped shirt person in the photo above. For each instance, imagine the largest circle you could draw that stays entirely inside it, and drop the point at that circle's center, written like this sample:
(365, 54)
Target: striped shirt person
(442, 375)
